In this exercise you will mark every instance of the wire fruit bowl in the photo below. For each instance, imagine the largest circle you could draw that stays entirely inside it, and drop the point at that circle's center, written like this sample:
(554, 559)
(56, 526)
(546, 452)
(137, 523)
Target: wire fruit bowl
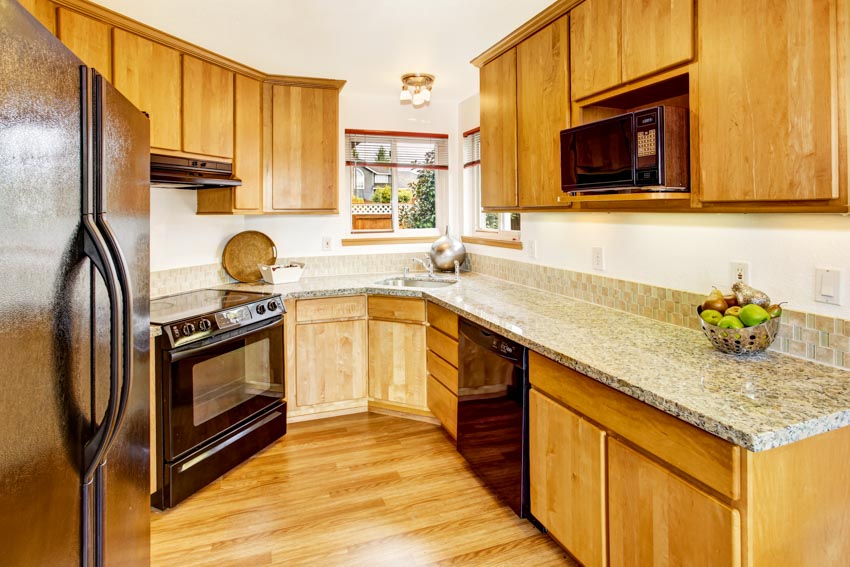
(746, 341)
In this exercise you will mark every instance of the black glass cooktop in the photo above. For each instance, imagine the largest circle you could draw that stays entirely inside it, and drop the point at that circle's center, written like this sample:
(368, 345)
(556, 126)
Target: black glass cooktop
(202, 302)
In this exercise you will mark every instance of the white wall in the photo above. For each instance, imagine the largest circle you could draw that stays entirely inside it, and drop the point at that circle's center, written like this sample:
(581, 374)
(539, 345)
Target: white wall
(301, 235)
(181, 238)
(691, 251)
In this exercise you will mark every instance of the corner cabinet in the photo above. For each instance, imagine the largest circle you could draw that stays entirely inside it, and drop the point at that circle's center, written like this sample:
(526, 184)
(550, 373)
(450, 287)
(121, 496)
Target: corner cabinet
(397, 371)
(305, 153)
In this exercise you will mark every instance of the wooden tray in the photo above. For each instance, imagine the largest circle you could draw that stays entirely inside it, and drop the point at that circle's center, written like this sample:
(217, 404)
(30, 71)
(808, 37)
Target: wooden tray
(244, 251)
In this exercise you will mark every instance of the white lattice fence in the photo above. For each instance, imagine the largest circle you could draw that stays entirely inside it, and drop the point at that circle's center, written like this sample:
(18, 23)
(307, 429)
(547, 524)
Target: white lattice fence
(371, 208)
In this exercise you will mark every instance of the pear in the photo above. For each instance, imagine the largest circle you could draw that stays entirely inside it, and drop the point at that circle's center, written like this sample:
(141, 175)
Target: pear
(746, 295)
(715, 301)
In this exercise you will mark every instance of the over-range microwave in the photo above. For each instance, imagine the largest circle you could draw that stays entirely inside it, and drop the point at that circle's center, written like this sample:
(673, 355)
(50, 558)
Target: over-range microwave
(644, 150)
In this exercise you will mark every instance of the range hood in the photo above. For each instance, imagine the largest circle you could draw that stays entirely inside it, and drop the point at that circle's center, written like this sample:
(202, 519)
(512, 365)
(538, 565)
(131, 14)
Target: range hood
(171, 172)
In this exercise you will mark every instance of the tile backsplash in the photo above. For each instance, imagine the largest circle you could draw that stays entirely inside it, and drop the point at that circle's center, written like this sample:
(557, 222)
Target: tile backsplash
(805, 335)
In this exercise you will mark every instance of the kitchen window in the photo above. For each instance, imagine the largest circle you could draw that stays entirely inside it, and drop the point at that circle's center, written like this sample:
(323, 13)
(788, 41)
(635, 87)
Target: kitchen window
(504, 226)
(397, 180)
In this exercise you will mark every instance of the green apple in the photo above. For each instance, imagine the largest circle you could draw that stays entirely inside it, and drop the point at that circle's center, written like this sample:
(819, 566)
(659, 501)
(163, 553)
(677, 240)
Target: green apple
(752, 315)
(711, 316)
(730, 322)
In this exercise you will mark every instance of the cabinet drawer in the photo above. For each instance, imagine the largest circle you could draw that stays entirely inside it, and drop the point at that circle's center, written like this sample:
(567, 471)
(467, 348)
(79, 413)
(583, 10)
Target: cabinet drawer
(442, 319)
(443, 404)
(327, 308)
(403, 308)
(444, 372)
(442, 345)
(707, 458)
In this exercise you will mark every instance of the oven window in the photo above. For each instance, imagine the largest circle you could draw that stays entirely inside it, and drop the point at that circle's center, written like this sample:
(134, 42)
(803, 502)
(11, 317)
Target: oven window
(223, 382)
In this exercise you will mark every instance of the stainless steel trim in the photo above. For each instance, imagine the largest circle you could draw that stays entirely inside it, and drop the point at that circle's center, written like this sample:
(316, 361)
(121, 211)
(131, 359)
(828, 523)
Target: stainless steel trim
(213, 450)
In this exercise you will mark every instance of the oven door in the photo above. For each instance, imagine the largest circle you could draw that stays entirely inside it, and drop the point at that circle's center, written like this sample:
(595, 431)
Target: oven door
(211, 387)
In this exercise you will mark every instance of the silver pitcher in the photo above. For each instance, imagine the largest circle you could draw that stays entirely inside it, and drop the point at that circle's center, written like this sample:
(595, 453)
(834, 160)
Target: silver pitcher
(445, 251)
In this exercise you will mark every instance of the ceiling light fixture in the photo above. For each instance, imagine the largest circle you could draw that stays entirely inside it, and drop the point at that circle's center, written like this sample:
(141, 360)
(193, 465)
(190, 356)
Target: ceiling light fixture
(416, 88)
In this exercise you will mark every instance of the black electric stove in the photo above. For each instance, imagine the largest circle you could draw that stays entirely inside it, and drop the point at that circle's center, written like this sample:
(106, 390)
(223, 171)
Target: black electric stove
(198, 315)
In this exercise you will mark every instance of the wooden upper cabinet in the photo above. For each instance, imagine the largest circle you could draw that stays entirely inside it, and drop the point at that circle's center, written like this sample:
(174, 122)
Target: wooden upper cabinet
(543, 110)
(88, 39)
(657, 518)
(767, 113)
(44, 11)
(595, 44)
(207, 108)
(567, 478)
(148, 74)
(498, 88)
(248, 144)
(305, 153)
(656, 34)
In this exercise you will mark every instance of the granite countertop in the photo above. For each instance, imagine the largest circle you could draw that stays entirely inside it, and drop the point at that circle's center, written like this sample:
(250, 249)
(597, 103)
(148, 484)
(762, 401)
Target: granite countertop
(758, 402)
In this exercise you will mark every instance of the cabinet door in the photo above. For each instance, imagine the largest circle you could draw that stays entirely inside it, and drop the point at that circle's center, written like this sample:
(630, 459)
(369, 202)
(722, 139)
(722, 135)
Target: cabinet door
(397, 368)
(248, 142)
(88, 39)
(655, 518)
(498, 132)
(767, 118)
(443, 404)
(595, 46)
(148, 74)
(44, 11)
(207, 108)
(543, 110)
(330, 362)
(657, 34)
(305, 150)
(567, 476)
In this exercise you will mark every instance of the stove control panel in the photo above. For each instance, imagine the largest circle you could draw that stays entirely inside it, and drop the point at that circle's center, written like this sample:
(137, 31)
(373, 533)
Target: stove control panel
(198, 328)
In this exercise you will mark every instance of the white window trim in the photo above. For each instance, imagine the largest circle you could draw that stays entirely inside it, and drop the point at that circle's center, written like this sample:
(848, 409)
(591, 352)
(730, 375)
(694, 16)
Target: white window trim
(478, 227)
(441, 195)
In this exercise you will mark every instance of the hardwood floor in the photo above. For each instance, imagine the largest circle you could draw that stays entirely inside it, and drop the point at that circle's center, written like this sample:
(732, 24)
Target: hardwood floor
(363, 489)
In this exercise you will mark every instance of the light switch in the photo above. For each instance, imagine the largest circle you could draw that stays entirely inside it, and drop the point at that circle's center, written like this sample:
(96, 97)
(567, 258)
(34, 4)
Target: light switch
(828, 286)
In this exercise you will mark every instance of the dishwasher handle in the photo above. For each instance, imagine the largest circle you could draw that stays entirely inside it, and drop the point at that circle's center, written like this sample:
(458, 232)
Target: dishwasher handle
(491, 341)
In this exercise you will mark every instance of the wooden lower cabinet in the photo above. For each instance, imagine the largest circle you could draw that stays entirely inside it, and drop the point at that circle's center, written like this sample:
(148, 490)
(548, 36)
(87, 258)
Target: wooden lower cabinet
(331, 362)
(397, 372)
(443, 404)
(656, 518)
(442, 342)
(326, 355)
(567, 474)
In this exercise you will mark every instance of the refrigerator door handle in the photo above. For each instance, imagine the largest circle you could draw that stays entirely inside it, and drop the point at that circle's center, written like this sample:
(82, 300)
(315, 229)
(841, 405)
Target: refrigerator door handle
(96, 249)
(117, 256)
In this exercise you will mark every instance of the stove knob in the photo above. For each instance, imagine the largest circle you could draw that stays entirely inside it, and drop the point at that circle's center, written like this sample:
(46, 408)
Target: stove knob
(204, 325)
(260, 309)
(188, 329)
(273, 305)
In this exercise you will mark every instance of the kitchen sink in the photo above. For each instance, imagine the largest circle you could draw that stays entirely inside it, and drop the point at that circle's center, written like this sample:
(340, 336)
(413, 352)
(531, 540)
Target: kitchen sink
(401, 281)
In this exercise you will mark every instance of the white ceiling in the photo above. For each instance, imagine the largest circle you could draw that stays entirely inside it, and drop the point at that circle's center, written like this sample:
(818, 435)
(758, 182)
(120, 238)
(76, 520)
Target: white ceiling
(369, 43)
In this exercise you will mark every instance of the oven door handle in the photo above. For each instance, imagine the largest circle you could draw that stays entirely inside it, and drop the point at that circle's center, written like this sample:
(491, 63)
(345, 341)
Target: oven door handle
(190, 351)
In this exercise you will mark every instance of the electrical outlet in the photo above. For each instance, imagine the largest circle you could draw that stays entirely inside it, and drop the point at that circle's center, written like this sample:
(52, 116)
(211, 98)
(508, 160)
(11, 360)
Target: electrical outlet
(598, 258)
(739, 271)
(531, 249)
(327, 243)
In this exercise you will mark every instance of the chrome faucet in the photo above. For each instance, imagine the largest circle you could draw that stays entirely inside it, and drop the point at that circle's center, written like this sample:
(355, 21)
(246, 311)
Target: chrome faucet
(427, 264)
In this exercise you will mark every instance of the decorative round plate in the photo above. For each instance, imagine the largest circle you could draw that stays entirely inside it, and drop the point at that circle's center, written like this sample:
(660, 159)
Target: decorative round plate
(244, 251)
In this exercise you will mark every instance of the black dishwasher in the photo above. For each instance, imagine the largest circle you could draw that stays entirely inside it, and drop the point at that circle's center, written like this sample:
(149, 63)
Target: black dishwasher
(491, 421)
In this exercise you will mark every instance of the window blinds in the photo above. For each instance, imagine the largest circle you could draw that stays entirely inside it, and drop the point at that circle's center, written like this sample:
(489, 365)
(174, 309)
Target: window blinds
(471, 148)
(397, 149)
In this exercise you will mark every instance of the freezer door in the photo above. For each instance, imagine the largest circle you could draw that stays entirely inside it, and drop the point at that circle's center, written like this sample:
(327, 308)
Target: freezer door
(44, 296)
(122, 147)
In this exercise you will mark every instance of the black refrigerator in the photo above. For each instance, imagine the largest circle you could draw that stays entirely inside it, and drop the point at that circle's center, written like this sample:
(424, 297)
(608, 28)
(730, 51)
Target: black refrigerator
(74, 308)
